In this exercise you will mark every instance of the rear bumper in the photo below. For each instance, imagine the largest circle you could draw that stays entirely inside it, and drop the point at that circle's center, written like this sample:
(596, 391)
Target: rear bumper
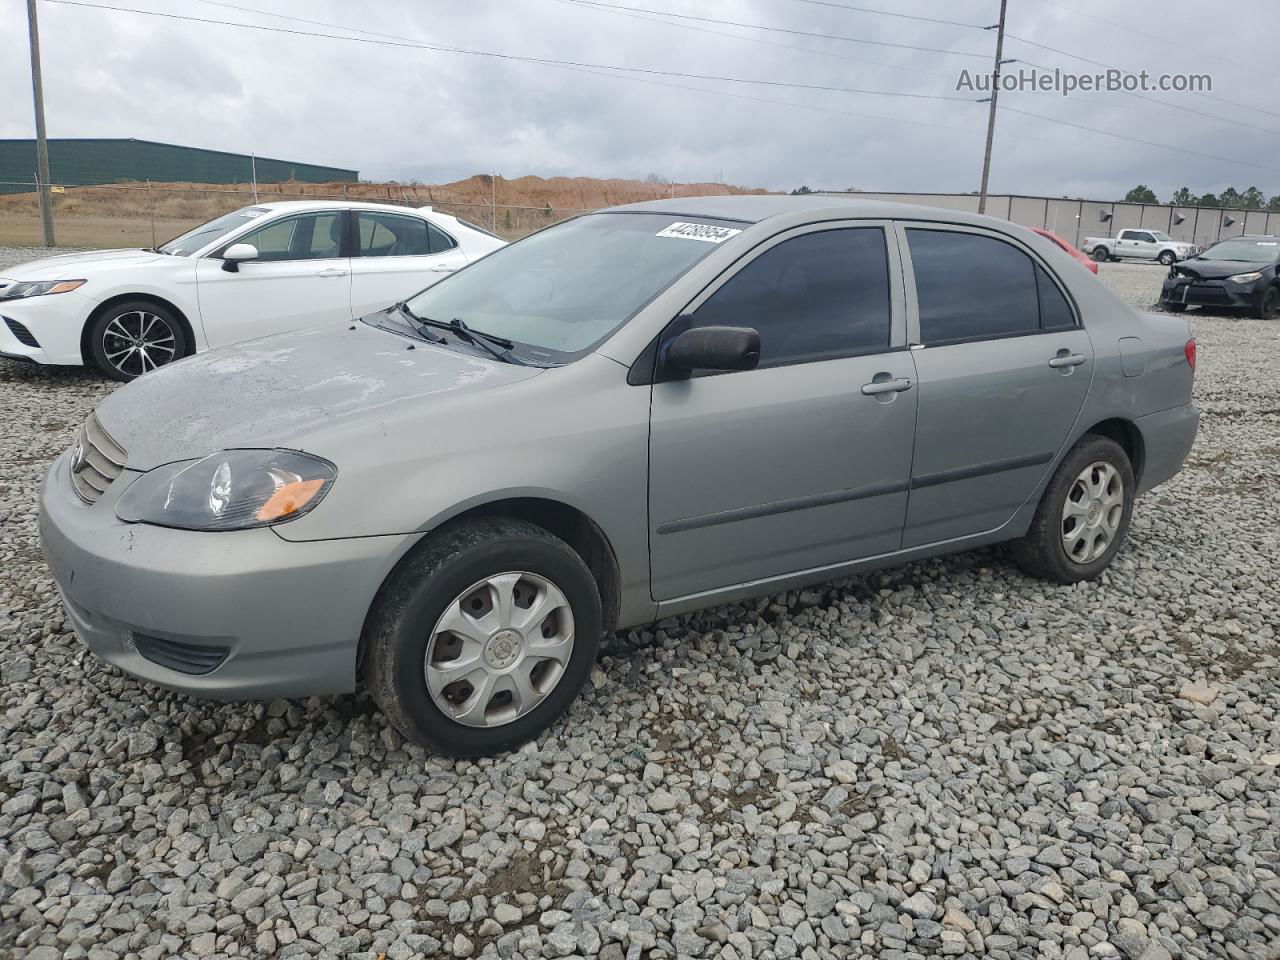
(231, 616)
(1167, 437)
(44, 329)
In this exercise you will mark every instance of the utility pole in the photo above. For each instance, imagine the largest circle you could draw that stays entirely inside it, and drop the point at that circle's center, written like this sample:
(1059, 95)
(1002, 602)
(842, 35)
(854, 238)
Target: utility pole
(42, 140)
(991, 116)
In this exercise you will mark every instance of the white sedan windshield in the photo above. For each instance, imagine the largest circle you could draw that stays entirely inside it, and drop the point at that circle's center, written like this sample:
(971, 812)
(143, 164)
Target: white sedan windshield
(560, 292)
(205, 234)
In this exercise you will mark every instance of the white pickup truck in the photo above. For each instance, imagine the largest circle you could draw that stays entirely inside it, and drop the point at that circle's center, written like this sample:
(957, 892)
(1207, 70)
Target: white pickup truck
(1139, 245)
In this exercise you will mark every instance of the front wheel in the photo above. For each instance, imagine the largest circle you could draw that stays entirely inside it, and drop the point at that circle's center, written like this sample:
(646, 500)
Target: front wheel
(135, 337)
(1083, 516)
(1176, 307)
(1167, 258)
(483, 637)
(1269, 308)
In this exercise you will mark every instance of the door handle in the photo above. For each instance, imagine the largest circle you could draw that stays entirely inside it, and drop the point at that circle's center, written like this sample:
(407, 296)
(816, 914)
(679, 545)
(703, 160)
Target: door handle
(877, 387)
(331, 272)
(441, 269)
(1067, 360)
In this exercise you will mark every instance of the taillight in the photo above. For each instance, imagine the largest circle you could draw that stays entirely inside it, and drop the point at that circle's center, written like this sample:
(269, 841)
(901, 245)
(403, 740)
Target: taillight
(1190, 351)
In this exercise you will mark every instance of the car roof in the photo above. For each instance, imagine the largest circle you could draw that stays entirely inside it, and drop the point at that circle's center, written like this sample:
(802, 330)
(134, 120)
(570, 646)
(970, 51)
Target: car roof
(331, 205)
(755, 208)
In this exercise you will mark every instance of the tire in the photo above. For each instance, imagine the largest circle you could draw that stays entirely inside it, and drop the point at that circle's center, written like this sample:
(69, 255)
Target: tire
(449, 569)
(1100, 254)
(1167, 258)
(116, 332)
(1043, 552)
(1269, 308)
(1175, 307)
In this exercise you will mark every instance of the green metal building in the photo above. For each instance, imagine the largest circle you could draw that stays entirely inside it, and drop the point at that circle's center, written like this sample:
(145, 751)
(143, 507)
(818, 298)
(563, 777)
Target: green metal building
(85, 162)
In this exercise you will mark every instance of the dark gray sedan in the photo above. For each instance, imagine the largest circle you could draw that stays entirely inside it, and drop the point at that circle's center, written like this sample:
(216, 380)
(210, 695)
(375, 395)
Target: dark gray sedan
(639, 412)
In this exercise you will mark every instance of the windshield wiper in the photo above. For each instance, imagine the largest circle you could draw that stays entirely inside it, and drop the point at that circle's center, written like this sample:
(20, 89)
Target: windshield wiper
(419, 323)
(497, 347)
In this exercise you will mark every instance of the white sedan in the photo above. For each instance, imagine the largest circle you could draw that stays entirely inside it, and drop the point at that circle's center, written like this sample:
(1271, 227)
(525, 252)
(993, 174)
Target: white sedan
(264, 269)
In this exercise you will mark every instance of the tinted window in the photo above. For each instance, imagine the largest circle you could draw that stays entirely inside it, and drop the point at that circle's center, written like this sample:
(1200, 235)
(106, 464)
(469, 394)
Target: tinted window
(439, 240)
(315, 236)
(971, 286)
(384, 235)
(1055, 312)
(813, 297)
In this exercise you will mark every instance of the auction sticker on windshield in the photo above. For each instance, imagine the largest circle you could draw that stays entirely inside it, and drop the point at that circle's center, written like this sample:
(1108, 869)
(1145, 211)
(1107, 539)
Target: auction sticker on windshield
(698, 231)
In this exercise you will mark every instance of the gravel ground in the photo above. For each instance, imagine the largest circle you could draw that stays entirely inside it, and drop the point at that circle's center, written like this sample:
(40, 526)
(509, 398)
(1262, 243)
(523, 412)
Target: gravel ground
(942, 759)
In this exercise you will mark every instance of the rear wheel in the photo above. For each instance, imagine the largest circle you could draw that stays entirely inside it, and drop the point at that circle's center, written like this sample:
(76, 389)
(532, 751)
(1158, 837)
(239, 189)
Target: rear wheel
(1269, 308)
(1083, 516)
(482, 639)
(1100, 254)
(135, 337)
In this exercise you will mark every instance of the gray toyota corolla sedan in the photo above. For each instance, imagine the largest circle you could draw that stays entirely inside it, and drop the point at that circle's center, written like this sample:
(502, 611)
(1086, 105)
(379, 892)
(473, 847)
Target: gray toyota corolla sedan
(640, 412)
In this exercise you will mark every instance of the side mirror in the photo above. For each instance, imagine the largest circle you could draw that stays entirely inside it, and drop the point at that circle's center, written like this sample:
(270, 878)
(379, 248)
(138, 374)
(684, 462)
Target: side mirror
(715, 348)
(236, 254)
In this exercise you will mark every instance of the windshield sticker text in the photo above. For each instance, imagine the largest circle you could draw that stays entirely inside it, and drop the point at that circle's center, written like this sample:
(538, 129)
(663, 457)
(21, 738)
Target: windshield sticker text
(698, 231)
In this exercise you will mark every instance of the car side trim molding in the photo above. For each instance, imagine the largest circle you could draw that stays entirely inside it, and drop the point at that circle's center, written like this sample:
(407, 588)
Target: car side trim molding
(783, 506)
(979, 470)
(857, 493)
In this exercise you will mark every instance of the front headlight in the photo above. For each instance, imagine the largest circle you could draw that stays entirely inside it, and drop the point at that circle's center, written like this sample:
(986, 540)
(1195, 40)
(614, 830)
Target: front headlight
(1244, 277)
(39, 288)
(232, 490)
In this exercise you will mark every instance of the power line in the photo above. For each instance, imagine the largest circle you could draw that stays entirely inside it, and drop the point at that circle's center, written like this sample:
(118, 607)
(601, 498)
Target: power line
(771, 29)
(888, 13)
(1109, 66)
(1149, 143)
(441, 48)
(1181, 41)
(389, 40)
(810, 51)
(625, 11)
(1181, 108)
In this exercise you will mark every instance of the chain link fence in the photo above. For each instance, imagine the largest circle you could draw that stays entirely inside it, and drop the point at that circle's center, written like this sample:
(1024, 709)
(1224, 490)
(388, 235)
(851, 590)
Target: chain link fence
(145, 214)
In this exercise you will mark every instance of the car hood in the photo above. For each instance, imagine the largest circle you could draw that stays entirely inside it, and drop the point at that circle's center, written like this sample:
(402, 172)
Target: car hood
(288, 391)
(77, 266)
(1217, 269)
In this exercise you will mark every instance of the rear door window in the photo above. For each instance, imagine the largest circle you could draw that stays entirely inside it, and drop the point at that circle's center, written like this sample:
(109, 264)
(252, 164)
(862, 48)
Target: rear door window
(972, 287)
(391, 235)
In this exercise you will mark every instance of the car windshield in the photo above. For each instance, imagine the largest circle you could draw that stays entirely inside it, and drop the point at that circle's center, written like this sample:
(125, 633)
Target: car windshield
(205, 234)
(1162, 237)
(560, 292)
(1245, 251)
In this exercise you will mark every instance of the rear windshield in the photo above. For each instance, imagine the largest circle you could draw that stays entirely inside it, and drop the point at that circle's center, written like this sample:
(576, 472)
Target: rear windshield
(560, 292)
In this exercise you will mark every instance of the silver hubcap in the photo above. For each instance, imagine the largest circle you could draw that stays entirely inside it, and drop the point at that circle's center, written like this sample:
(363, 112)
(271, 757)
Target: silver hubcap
(137, 342)
(1091, 515)
(499, 649)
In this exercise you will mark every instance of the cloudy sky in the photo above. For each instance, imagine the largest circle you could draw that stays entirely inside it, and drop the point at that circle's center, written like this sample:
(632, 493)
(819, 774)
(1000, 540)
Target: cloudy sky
(397, 109)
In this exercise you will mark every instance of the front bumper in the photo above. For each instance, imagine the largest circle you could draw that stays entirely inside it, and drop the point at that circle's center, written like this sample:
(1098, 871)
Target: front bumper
(273, 618)
(1190, 292)
(54, 323)
(1167, 438)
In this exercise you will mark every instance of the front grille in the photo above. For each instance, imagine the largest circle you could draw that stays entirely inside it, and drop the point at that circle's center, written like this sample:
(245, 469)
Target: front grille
(21, 332)
(190, 658)
(1207, 293)
(96, 460)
